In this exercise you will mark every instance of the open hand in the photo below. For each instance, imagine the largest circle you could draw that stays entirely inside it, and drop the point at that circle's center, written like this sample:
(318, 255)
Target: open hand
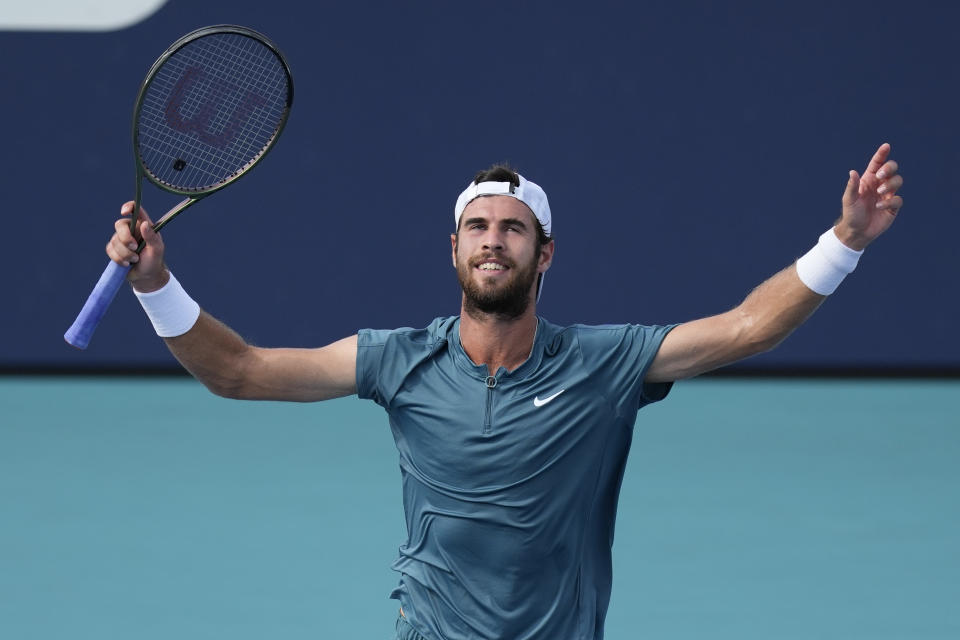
(870, 202)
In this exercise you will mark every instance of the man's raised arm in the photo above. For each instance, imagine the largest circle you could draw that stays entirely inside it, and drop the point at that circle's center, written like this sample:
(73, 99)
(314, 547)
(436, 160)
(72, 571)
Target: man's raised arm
(214, 353)
(779, 305)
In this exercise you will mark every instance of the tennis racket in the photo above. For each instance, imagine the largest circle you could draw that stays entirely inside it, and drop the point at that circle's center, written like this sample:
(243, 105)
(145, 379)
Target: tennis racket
(209, 110)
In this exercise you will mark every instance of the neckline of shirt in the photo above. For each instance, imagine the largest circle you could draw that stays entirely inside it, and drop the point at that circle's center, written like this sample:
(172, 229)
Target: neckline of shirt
(481, 372)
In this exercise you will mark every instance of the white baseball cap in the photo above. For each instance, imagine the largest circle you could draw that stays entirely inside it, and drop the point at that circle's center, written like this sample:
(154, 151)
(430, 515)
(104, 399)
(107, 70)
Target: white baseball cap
(528, 193)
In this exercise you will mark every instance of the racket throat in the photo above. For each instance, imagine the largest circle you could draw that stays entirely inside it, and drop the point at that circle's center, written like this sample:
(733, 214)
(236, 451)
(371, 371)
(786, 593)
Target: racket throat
(167, 217)
(173, 213)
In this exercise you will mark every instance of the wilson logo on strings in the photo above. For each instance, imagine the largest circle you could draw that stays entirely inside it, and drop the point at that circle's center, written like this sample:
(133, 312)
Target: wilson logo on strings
(200, 122)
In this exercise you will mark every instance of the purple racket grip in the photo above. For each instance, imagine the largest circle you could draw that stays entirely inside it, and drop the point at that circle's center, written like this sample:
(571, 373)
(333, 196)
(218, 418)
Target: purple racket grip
(82, 329)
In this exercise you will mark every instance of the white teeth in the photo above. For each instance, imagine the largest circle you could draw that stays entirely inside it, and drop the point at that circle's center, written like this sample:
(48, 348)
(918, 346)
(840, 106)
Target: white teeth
(491, 266)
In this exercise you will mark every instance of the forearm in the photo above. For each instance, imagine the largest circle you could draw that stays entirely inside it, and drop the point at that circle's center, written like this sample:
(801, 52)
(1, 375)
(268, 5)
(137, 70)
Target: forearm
(779, 305)
(220, 359)
(762, 321)
(207, 348)
(774, 309)
(783, 302)
(214, 354)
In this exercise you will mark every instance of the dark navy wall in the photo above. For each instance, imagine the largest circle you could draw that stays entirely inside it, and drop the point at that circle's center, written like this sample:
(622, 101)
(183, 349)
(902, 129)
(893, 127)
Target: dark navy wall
(689, 151)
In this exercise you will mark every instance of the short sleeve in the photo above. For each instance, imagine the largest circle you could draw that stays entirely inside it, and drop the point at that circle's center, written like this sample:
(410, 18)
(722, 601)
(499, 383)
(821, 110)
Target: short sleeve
(370, 345)
(385, 357)
(621, 356)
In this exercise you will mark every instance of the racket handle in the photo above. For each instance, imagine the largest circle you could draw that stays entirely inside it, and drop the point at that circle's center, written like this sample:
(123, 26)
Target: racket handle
(82, 329)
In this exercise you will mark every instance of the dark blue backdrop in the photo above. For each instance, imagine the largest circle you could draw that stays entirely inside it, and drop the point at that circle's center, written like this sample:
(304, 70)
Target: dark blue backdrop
(689, 150)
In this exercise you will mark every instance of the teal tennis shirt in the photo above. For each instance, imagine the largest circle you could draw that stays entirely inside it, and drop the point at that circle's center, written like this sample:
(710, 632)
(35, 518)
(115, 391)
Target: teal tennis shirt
(511, 481)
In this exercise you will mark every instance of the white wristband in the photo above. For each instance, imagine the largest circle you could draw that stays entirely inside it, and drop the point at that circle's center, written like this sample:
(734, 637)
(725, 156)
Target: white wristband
(170, 309)
(825, 266)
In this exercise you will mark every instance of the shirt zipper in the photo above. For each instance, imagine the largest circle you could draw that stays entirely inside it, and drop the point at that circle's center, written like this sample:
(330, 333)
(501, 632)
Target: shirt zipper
(491, 383)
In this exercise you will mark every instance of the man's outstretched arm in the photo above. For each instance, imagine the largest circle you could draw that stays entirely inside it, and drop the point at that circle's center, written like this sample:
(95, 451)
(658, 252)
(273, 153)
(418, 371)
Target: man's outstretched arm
(219, 358)
(782, 303)
(214, 353)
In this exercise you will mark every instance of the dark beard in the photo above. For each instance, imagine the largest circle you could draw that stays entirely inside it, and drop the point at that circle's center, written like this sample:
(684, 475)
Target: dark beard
(508, 302)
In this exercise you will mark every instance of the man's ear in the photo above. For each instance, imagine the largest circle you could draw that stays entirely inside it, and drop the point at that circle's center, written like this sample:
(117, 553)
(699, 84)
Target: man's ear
(546, 257)
(453, 249)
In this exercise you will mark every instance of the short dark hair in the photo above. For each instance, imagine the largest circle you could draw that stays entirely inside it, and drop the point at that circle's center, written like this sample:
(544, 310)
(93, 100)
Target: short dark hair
(500, 172)
(503, 172)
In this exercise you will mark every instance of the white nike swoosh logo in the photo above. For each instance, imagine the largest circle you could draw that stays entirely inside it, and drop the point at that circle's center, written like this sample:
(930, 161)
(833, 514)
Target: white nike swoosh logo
(537, 402)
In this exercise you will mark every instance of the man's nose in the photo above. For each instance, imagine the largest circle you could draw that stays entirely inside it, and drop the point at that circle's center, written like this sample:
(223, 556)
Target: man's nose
(493, 240)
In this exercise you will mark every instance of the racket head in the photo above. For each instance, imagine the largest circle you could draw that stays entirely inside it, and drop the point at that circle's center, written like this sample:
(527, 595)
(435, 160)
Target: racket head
(210, 108)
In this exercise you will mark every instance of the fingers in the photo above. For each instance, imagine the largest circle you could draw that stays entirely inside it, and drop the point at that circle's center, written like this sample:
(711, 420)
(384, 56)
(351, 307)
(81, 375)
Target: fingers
(890, 183)
(883, 177)
(888, 169)
(127, 209)
(123, 239)
(890, 186)
(123, 246)
(892, 205)
(852, 190)
(876, 162)
(151, 238)
(151, 254)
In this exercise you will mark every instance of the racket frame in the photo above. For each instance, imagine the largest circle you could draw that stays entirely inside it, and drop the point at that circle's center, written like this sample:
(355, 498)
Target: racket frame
(193, 195)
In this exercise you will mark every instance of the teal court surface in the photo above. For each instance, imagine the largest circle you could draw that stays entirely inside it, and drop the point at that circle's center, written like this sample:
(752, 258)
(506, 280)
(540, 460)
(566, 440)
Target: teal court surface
(148, 509)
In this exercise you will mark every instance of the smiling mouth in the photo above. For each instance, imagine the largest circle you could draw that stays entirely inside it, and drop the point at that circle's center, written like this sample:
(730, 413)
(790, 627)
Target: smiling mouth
(491, 266)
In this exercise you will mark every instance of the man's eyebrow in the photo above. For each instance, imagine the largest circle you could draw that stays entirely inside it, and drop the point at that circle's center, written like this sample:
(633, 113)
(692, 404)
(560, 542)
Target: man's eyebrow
(516, 222)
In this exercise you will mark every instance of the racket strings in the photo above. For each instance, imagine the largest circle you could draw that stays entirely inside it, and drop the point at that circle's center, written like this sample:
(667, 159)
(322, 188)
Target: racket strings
(211, 110)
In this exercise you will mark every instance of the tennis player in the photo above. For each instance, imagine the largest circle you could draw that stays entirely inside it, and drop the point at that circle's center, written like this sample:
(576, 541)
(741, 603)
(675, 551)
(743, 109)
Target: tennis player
(512, 432)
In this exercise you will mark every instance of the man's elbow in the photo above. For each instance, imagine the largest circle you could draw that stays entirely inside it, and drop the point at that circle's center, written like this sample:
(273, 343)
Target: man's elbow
(226, 389)
(758, 337)
(227, 382)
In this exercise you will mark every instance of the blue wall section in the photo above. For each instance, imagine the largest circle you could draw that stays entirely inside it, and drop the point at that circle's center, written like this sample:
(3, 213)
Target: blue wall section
(689, 151)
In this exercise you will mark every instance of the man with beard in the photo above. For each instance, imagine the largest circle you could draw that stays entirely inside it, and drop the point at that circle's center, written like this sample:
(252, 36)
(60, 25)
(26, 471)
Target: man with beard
(512, 432)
